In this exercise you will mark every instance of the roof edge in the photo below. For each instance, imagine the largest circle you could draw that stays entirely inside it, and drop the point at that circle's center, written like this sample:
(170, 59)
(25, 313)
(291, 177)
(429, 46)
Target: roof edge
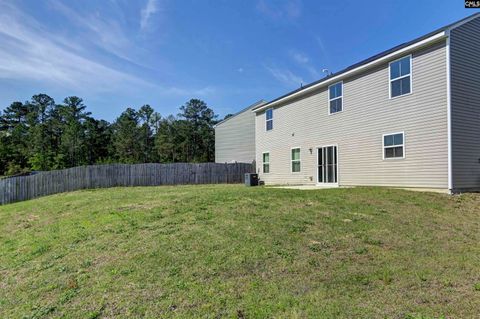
(351, 71)
(256, 104)
(419, 42)
(463, 21)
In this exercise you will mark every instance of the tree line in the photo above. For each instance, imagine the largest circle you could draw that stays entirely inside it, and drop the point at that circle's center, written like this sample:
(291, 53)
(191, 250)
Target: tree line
(40, 134)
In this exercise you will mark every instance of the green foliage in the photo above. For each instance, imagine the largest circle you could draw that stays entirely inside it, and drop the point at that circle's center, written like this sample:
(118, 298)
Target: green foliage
(42, 135)
(14, 168)
(199, 138)
(227, 116)
(72, 140)
(169, 140)
(127, 138)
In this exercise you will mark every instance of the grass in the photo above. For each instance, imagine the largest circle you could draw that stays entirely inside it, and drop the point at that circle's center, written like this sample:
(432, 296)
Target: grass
(236, 252)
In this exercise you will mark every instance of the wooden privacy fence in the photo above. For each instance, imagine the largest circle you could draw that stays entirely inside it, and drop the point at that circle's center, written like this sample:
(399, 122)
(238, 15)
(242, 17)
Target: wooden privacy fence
(102, 176)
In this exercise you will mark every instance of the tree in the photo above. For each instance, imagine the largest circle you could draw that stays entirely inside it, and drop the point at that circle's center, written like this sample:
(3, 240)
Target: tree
(14, 125)
(98, 141)
(156, 118)
(72, 144)
(229, 115)
(42, 135)
(42, 146)
(4, 152)
(146, 116)
(169, 140)
(200, 135)
(127, 138)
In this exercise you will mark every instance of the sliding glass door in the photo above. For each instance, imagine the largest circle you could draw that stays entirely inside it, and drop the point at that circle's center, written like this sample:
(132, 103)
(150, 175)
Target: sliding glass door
(327, 165)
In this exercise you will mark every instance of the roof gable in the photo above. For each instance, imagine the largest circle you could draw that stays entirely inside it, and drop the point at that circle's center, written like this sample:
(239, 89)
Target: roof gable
(252, 106)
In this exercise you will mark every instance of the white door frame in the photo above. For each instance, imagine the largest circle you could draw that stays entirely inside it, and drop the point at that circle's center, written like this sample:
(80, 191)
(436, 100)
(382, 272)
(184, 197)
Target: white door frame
(318, 162)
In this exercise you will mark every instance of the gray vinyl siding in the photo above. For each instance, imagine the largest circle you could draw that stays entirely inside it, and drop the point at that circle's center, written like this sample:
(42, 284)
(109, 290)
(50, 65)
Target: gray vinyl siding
(368, 113)
(235, 139)
(465, 102)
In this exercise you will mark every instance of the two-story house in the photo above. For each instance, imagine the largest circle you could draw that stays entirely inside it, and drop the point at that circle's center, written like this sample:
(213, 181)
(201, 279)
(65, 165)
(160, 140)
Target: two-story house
(406, 117)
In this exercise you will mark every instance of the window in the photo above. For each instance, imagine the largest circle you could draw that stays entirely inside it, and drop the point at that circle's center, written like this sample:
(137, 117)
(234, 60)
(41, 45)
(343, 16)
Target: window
(295, 160)
(266, 163)
(401, 76)
(393, 146)
(269, 119)
(335, 96)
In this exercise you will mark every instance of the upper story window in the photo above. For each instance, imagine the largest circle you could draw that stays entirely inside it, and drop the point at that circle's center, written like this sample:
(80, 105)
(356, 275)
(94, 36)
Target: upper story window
(335, 96)
(401, 76)
(296, 160)
(266, 162)
(393, 146)
(269, 119)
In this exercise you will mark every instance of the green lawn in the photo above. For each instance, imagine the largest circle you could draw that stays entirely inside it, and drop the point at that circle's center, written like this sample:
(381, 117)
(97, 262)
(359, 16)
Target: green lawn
(236, 252)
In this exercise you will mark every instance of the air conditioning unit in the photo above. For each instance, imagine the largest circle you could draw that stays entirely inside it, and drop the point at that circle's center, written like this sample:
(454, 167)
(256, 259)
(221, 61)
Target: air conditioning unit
(251, 179)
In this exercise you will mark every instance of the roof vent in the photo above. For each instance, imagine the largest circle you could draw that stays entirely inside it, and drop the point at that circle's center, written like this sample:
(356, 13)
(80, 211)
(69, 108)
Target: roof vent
(327, 72)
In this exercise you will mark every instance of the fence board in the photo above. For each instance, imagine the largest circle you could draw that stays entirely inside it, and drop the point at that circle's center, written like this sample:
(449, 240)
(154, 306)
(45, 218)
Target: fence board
(111, 175)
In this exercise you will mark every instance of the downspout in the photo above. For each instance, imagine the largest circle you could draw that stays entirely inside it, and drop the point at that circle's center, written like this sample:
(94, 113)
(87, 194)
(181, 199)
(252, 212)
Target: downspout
(449, 114)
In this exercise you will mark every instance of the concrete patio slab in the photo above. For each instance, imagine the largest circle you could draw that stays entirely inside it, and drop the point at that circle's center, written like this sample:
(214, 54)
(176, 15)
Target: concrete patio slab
(318, 187)
(305, 187)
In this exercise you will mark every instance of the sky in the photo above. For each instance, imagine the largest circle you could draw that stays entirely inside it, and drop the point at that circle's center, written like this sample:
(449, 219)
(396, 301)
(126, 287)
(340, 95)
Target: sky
(230, 53)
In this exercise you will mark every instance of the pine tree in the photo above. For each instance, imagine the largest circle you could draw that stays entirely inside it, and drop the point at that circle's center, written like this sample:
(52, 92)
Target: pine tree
(127, 137)
(14, 124)
(42, 146)
(200, 135)
(73, 145)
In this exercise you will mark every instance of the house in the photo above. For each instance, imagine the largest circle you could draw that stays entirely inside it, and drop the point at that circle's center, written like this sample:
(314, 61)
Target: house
(235, 137)
(406, 117)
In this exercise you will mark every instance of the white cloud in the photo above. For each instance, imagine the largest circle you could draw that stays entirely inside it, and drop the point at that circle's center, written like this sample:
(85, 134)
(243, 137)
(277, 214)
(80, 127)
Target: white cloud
(306, 63)
(323, 49)
(300, 58)
(293, 9)
(150, 8)
(202, 92)
(285, 76)
(30, 52)
(290, 10)
(104, 31)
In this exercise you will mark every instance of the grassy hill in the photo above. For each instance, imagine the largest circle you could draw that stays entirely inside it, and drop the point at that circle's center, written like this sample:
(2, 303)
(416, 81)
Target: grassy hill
(237, 252)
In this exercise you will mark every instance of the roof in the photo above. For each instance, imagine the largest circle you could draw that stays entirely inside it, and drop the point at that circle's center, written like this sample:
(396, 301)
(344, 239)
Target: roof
(373, 58)
(256, 104)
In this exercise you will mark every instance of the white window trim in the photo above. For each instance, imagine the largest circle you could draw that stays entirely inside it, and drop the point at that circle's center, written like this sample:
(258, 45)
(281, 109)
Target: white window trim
(266, 121)
(292, 160)
(400, 77)
(336, 98)
(263, 163)
(402, 145)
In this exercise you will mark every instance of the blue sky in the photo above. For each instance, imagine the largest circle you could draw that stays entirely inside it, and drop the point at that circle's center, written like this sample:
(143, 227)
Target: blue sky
(120, 53)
